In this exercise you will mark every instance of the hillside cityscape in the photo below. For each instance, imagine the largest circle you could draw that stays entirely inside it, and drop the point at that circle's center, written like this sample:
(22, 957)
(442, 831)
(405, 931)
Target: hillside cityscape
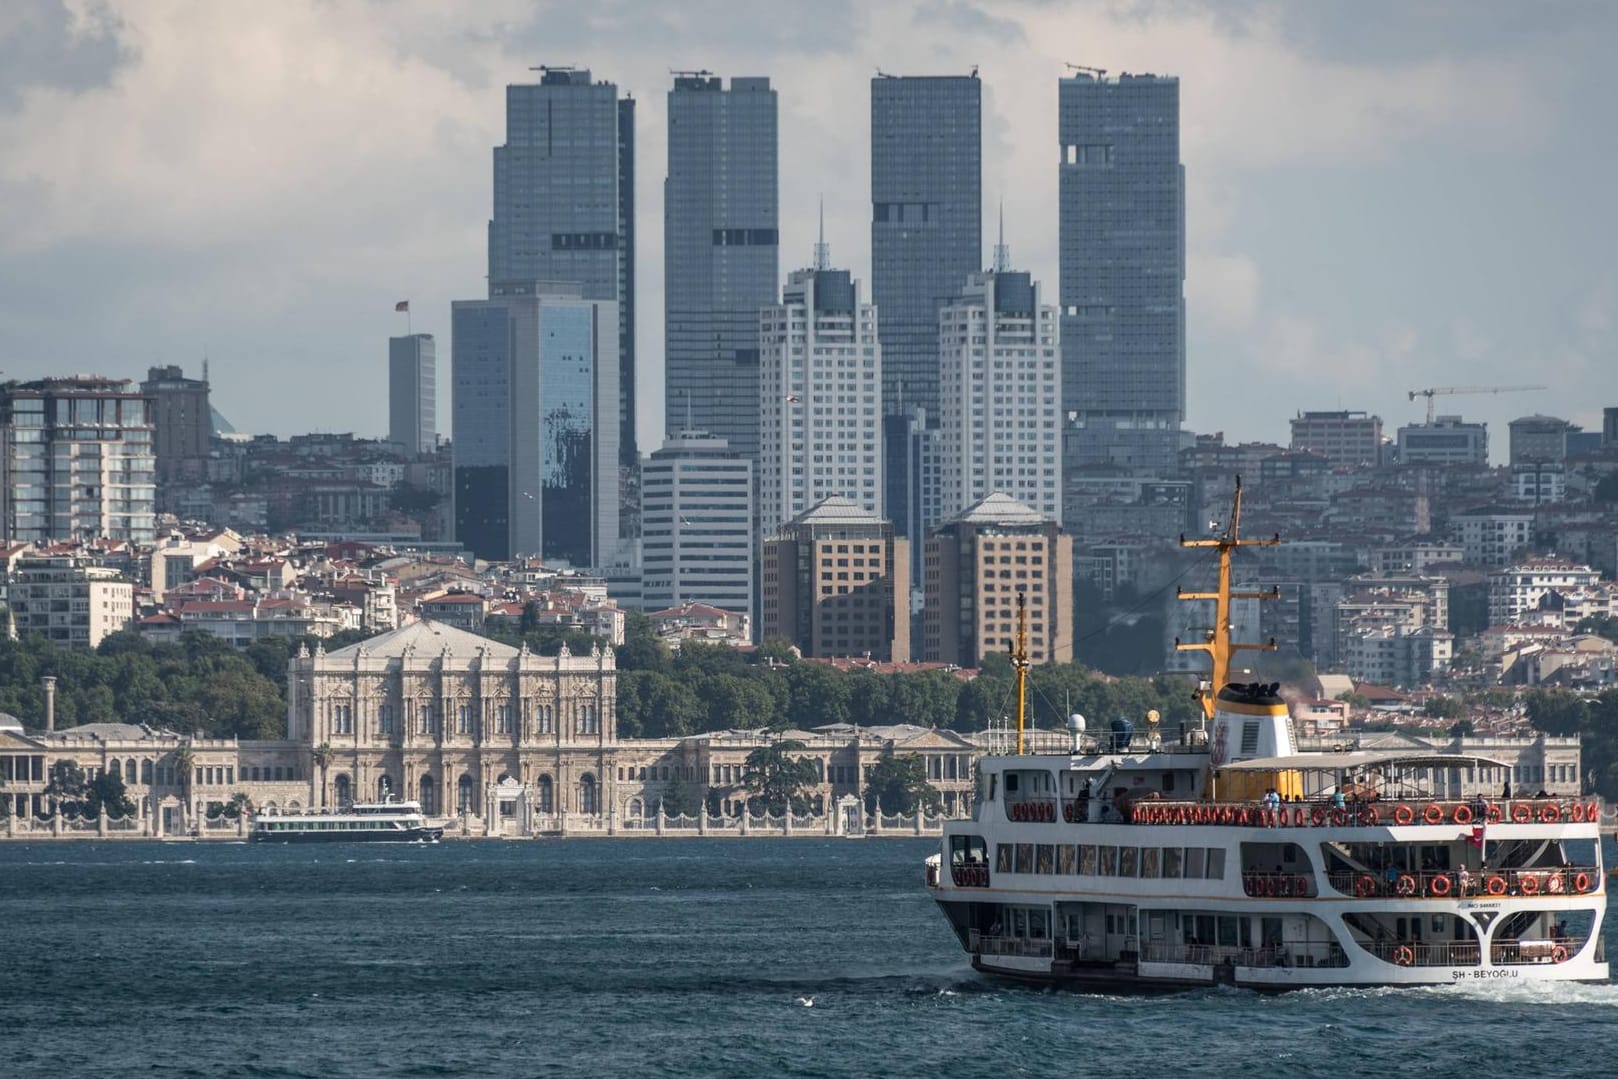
(509, 607)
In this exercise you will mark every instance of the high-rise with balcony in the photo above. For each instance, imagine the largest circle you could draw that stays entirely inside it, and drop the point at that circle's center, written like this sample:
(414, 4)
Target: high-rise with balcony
(76, 461)
(1001, 389)
(721, 245)
(564, 205)
(1121, 191)
(819, 398)
(926, 234)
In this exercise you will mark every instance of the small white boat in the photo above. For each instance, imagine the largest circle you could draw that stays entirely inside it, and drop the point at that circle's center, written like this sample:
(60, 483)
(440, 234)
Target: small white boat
(367, 822)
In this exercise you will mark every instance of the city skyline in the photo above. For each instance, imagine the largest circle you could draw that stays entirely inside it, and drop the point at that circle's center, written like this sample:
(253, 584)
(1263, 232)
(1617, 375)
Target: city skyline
(1373, 205)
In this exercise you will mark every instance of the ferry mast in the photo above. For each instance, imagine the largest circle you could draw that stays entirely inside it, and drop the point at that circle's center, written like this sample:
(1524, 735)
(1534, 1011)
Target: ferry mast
(1217, 642)
(1019, 663)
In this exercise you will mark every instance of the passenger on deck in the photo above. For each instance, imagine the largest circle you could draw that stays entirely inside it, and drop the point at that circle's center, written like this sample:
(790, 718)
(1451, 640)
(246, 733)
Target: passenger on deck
(1463, 881)
(1271, 799)
(1505, 791)
(1338, 801)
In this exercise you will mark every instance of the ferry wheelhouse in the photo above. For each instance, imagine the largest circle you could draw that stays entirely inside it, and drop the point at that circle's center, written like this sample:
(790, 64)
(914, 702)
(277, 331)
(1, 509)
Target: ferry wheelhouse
(1225, 855)
(386, 822)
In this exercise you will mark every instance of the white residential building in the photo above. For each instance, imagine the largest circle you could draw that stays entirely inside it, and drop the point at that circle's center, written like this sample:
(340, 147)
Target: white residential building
(1515, 592)
(696, 525)
(68, 599)
(820, 396)
(1000, 395)
(1493, 536)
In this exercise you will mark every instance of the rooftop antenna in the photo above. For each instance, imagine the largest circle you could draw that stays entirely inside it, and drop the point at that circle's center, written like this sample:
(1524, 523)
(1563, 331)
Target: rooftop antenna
(1002, 253)
(822, 249)
(1097, 72)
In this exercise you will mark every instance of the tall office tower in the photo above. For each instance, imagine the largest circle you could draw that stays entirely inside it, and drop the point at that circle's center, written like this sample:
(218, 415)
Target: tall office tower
(535, 424)
(977, 566)
(926, 230)
(1001, 395)
(697, 525)
(182, 423)
(564, 204)
(820, 389)
(721, 248)
(413, 394)
(76, 461)
(834, 582)
(1122, 259)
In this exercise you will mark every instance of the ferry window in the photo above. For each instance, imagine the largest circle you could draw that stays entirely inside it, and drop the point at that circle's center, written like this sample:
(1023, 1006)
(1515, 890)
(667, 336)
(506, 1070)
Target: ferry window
(1066, 859)
(1216, 863)
(992, 784)
(1149, 857)
(1127, 861)
(1194, 859)
(1002, 858)
(1087, 860)
(1108, 862)
(1025, 858)
(1173, 859)
(1019, 922)
(1168, 781)
(1037, 928)
(1045, 859)
(1011, 782)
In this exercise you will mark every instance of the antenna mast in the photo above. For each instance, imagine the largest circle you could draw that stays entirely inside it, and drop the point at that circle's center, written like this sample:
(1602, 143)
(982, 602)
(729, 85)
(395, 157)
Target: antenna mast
(1218, 644)
(1019, 663)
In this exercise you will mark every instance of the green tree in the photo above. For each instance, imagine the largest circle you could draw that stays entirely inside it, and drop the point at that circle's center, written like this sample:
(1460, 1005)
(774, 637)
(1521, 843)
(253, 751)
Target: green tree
(322, 756)
(641, 650)
(776, 778)
(683, 797)
(899, 785)
(107, 791)
(1556, 711)
(1443, 708)
(66, 787)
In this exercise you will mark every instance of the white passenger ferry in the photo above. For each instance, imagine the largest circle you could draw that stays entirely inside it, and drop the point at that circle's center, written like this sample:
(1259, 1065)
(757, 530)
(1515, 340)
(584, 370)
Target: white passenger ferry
(387, 822)
(1227, 856)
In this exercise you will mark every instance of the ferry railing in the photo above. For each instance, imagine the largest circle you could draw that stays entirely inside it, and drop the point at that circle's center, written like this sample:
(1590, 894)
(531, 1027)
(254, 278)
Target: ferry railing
(1415, 953)
(1453, 884)
(1018, 946)
(1287, 953)
(1279, 885)
(969, 876)
(1524, 952)
(1353, 813)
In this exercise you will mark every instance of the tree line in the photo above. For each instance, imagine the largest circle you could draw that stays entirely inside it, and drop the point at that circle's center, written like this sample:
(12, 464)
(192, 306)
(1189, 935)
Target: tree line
(203, 686)
(1594, 720)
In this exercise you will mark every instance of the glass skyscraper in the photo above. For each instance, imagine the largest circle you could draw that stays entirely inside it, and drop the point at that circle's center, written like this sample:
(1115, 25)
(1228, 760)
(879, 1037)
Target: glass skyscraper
(535, 425)
(721, 245)
(926, 240)
(564, 204)
(1122, 262)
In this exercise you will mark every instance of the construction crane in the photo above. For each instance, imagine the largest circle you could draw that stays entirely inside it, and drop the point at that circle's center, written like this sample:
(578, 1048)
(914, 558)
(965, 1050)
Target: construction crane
(1098, 72)
(1448, 391)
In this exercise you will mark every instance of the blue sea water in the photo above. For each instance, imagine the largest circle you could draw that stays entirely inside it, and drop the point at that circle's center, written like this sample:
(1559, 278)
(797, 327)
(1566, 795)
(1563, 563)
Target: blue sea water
(643, 958)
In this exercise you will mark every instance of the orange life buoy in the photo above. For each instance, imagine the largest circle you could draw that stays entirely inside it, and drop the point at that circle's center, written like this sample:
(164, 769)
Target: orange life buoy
(1463, 814)
(1495, 886)
(1403, 814)
(1368, 815)
(1592, 813)
(1493, 815)
(1439, 885)
(1576, 814)
(1404, 955)
(1271, 886)
(1581, 882)
(1300, 885)
(1405, 885)
(1521, 814)
(1433, 814)
(1550, 814)
(1365, 886)
(1317, 816)
(1300, 816)
(1067, 812)
(1528, 884)
(1558, 954)
(1553, 884)
(1136, 813)
(1339, 817)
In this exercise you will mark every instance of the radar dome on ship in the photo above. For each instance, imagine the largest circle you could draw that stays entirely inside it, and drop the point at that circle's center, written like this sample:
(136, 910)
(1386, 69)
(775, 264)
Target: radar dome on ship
(1075, 723)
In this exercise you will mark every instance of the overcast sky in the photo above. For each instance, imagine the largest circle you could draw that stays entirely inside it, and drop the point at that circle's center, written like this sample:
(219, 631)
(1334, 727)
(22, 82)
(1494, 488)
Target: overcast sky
(1380, 195)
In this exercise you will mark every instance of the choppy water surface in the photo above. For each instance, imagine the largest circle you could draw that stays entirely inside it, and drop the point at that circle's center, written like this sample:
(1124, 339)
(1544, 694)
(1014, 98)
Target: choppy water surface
(642, 958)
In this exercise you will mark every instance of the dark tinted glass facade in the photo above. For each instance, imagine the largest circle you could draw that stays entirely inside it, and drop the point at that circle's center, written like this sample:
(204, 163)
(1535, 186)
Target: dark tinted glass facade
(480, 373)
(721, 253)
(1122, 260)
(926, 221)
